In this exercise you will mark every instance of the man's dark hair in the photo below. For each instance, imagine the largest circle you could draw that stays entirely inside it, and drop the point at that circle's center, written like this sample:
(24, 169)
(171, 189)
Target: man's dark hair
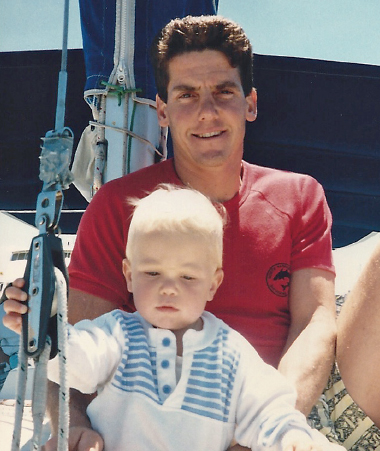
(201, 33)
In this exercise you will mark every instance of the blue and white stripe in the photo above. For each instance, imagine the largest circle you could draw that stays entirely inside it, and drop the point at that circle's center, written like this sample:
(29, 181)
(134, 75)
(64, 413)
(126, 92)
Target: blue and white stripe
(210, 381)
(212, 378)
(137, 371)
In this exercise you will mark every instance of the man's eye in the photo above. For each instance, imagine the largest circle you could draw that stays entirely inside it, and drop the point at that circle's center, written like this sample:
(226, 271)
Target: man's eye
(186, 95)
(226, 92)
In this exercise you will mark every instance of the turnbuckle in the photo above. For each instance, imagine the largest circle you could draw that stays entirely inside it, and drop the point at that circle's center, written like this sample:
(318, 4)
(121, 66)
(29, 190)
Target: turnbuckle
(46, 250)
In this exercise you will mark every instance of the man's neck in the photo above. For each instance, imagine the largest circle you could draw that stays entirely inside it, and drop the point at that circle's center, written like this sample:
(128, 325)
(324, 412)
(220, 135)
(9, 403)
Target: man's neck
(218, 183)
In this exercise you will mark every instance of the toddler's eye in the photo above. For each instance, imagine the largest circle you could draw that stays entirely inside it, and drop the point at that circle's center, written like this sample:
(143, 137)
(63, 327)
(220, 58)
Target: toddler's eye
(152, 273)
(188, 278)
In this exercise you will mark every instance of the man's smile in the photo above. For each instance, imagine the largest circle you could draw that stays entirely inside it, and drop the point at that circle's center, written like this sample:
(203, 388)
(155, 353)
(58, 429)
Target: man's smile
(209, 134)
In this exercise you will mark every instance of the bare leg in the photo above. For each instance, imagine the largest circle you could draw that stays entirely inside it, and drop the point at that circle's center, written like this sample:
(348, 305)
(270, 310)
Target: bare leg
(358, 344)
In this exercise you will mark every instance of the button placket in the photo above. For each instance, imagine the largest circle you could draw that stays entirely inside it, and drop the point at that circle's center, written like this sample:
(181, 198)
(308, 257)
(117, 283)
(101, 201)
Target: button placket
(166, 353)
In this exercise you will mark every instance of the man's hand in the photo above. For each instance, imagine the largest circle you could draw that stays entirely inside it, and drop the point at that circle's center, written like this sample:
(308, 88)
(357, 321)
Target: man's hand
(80, 439)
(295, 440)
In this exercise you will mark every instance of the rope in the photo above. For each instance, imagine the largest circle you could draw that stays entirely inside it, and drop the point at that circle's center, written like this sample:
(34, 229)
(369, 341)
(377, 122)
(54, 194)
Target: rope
(64, 392)
(40, 380)
(129, 148)
(20, 397)
(101, 149)
(128, 132)
(39, 394)
(38, 397)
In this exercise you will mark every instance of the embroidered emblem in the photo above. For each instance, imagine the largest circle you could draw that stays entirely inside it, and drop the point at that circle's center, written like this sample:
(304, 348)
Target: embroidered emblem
(278, 279)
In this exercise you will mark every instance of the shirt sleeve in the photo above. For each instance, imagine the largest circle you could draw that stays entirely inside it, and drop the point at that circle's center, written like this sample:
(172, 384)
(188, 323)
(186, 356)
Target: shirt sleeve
(93, 353)
(311, 231)
(265, 408)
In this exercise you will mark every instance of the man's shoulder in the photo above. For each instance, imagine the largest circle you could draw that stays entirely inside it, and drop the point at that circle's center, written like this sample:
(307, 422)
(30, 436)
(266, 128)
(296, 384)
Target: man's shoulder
(262, 178)
(272, 173)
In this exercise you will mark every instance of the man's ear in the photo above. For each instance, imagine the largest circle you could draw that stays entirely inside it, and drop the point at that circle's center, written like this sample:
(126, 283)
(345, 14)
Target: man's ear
(161, 112)
(127, 274)
(252, 106)
(216, 281)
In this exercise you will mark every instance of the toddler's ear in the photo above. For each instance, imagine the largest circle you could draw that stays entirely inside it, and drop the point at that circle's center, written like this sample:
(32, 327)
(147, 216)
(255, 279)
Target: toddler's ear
(128, 274)
(216, 281)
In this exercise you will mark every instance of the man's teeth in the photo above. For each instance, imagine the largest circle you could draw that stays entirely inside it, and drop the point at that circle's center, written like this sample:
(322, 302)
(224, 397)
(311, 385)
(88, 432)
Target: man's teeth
(209, 135)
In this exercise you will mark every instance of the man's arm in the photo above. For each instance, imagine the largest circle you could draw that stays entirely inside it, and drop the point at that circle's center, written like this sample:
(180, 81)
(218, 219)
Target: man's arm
(83, 305)
(310, 349)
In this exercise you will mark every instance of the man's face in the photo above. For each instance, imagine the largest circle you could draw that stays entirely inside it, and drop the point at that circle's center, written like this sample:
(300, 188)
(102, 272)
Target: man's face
(206, 109)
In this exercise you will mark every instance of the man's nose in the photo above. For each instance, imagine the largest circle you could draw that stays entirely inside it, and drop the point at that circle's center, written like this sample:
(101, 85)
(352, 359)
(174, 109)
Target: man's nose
(208, 108)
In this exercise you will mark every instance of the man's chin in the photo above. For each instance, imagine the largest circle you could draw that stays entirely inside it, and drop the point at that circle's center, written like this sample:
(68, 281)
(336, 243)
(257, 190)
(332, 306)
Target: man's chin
(212, 158)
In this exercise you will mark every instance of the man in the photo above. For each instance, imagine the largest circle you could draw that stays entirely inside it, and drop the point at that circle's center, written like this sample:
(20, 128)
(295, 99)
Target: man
(279, 223)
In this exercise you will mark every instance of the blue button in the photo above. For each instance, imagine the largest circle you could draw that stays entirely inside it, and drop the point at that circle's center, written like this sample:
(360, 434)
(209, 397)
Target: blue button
(166, 389)
(166, 341)
(165, 364)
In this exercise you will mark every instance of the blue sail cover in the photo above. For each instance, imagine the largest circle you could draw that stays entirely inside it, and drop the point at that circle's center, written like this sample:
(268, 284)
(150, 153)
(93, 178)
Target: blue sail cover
(98, 32)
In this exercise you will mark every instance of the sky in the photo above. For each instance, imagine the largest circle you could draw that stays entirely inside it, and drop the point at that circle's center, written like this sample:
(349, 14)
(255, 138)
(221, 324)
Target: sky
(335, 30)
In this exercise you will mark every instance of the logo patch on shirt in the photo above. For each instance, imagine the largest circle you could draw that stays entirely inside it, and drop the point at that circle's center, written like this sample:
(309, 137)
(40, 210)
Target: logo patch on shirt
(278, 279)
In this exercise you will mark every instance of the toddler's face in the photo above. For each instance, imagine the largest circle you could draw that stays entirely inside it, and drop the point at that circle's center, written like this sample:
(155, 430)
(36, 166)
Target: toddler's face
(171, 276)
